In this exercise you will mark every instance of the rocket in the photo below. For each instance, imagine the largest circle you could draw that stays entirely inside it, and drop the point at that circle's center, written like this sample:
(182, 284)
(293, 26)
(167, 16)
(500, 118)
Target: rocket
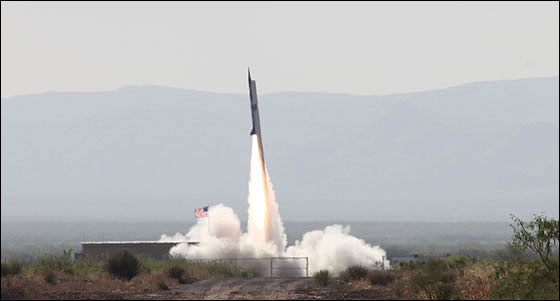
(255, 114)
(260, 175)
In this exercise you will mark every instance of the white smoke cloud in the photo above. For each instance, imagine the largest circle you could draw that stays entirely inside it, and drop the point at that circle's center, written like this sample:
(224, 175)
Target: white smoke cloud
(220, 234)
(335, 249)
(332, 248)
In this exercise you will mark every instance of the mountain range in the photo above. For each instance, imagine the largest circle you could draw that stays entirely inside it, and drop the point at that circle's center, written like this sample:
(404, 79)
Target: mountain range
(478, 151)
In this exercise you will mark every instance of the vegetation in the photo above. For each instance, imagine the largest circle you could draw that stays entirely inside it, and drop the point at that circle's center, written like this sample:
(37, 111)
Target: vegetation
(55, 263)
(528, 277)
(322, 277)
(162, 285)
(85, 266)
(433, 280)
(526, 269)
(176, 272)
(11, 267)
(521, 277)
(50, 276)
(249, 272)
(539, 235)
(380, 277)
(179, 273)
(356, 272)
(123, 265)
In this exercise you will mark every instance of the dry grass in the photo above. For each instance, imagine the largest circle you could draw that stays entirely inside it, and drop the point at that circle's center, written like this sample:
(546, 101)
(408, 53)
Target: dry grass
(33, 285)
(475, 282)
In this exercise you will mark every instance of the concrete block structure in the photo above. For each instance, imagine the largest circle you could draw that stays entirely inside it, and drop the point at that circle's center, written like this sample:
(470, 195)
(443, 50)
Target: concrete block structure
(99, 250)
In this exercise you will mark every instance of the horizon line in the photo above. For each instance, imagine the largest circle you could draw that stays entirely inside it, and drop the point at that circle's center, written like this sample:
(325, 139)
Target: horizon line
(277, 92)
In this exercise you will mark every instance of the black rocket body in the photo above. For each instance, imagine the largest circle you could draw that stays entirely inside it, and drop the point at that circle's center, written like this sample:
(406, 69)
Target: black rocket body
(255, 115)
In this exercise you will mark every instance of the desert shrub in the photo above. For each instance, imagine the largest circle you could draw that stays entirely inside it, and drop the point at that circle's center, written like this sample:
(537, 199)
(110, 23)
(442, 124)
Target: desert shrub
(175, 272)
(182, 275)
(356, 272)
(162, 285)
(84, 266)
(322, 277)
(460, 261)
(412, 265)
(56, 263)
(123, 265)
(50, 276)
(540, 235)
(178, 272)
(516, 275)
(398, 289)
(188, 279)
(433, 280)
(380, 277)
(149, 264)
(11, 267)
(193, 270)
(221, 268)
(249, 272)
(523, 278)
(474, 282)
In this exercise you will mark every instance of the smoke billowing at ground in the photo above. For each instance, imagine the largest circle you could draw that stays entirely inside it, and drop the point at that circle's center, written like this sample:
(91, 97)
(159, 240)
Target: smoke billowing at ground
(221, 236)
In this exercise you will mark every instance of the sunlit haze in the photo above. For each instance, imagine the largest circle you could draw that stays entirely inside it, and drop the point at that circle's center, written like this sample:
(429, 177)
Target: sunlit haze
(357, 48)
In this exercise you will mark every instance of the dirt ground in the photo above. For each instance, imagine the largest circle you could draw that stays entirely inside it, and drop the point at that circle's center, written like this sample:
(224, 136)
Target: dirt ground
(146, 288)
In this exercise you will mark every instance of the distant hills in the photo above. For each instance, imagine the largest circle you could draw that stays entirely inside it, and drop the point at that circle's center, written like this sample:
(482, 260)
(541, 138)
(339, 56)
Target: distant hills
(473, 152)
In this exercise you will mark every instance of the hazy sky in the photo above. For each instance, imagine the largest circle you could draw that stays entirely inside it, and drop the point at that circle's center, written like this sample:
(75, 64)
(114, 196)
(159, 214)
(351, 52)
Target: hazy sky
(361, 48)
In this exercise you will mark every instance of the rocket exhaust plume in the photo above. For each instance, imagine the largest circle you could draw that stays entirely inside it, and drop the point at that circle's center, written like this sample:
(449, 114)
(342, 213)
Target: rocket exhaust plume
(258, 194)
(332, 248)
(264, 224)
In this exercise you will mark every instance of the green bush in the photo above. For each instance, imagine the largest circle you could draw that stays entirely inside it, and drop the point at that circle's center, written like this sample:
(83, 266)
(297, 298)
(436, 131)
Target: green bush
(398, 289)
(221, 268)
(179, 273)
(149, 264)
(11, 267)
(412, 265)
(249, 272)
(460, 261)
(84, 266)
(356, 272)
(50, 276)
(539, 235)
(175, 272)
(433, 280)
(162, 285)
(380, 277)
(123, 265)
(322, 277)
(55, 263)
(188, 279)
(523, 278)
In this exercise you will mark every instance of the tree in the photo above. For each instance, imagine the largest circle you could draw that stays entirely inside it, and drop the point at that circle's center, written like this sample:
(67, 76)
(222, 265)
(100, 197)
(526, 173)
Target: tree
(539, 235)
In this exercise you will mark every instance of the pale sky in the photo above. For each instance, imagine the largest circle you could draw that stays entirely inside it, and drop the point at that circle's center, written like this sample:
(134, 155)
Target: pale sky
(358, 48)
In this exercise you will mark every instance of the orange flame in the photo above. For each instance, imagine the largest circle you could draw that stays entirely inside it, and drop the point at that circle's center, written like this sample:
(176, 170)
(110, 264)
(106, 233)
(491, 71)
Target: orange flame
(259, 202)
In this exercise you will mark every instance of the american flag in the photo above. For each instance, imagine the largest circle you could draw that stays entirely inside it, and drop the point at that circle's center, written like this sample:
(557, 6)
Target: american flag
(201, 212)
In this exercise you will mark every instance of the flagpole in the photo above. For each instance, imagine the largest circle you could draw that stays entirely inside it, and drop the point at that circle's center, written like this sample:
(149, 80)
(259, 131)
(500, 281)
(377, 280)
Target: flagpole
(208, 216)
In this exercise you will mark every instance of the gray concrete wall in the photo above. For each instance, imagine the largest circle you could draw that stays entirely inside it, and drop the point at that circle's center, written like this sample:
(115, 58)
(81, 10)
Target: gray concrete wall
(103, 250)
